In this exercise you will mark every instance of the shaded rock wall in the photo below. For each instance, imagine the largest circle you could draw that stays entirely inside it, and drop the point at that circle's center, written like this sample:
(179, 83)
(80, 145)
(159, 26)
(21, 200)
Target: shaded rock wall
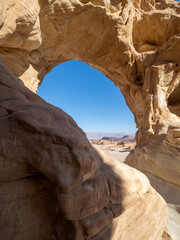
(55, 185)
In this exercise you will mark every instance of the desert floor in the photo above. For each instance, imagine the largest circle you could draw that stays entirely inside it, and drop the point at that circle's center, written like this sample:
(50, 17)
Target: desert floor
(119, 154)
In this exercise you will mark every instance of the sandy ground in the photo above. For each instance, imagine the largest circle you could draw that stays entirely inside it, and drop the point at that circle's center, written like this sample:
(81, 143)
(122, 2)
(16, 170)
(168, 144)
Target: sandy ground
(119, 153)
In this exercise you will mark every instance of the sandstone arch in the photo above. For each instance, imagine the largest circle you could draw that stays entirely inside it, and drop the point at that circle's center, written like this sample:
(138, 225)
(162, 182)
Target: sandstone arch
(111, 36)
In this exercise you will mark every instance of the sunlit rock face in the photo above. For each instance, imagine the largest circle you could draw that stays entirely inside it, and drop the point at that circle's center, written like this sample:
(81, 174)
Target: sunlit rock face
(136, 44)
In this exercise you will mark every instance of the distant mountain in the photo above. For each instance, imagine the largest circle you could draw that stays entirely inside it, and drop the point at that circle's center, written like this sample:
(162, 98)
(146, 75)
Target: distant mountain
(125, 138)
(100, 135)
(113, 139)
(128, 138)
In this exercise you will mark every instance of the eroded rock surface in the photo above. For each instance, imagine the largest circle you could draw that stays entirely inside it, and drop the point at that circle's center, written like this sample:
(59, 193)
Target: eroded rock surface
(55, 185)
(136, 44)
(172, 228)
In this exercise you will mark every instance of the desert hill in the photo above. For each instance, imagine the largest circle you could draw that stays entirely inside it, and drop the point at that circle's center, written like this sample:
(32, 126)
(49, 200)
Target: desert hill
(126, 138)
(100, 135)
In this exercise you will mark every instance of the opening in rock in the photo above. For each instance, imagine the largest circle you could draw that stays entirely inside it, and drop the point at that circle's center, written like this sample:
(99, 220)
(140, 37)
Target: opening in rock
(174, 101)
(93, 101)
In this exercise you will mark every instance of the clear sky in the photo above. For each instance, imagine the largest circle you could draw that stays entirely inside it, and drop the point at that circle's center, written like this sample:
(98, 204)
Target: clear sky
(94, 102)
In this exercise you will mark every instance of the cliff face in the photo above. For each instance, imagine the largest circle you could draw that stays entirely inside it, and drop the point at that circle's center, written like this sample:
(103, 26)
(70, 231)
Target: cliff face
(136, 45)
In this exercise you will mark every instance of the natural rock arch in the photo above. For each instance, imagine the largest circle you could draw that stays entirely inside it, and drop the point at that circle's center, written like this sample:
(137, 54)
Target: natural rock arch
(111, 36)
(134, 43)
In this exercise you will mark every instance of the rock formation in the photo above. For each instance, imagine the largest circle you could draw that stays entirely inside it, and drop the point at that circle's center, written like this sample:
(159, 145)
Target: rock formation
(172, 228)
(136, 45)
(56, 186)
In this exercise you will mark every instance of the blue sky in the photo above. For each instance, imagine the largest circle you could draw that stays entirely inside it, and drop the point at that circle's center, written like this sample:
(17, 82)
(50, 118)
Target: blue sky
(94, 102)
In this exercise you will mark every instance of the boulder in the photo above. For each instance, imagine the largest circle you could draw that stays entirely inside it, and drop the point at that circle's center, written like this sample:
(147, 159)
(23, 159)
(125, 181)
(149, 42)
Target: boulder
(55, 185)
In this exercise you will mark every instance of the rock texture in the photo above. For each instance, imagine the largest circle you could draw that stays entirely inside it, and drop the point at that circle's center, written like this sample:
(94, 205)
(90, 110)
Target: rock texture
(55, 186)
(136, 44)
(172, 228)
